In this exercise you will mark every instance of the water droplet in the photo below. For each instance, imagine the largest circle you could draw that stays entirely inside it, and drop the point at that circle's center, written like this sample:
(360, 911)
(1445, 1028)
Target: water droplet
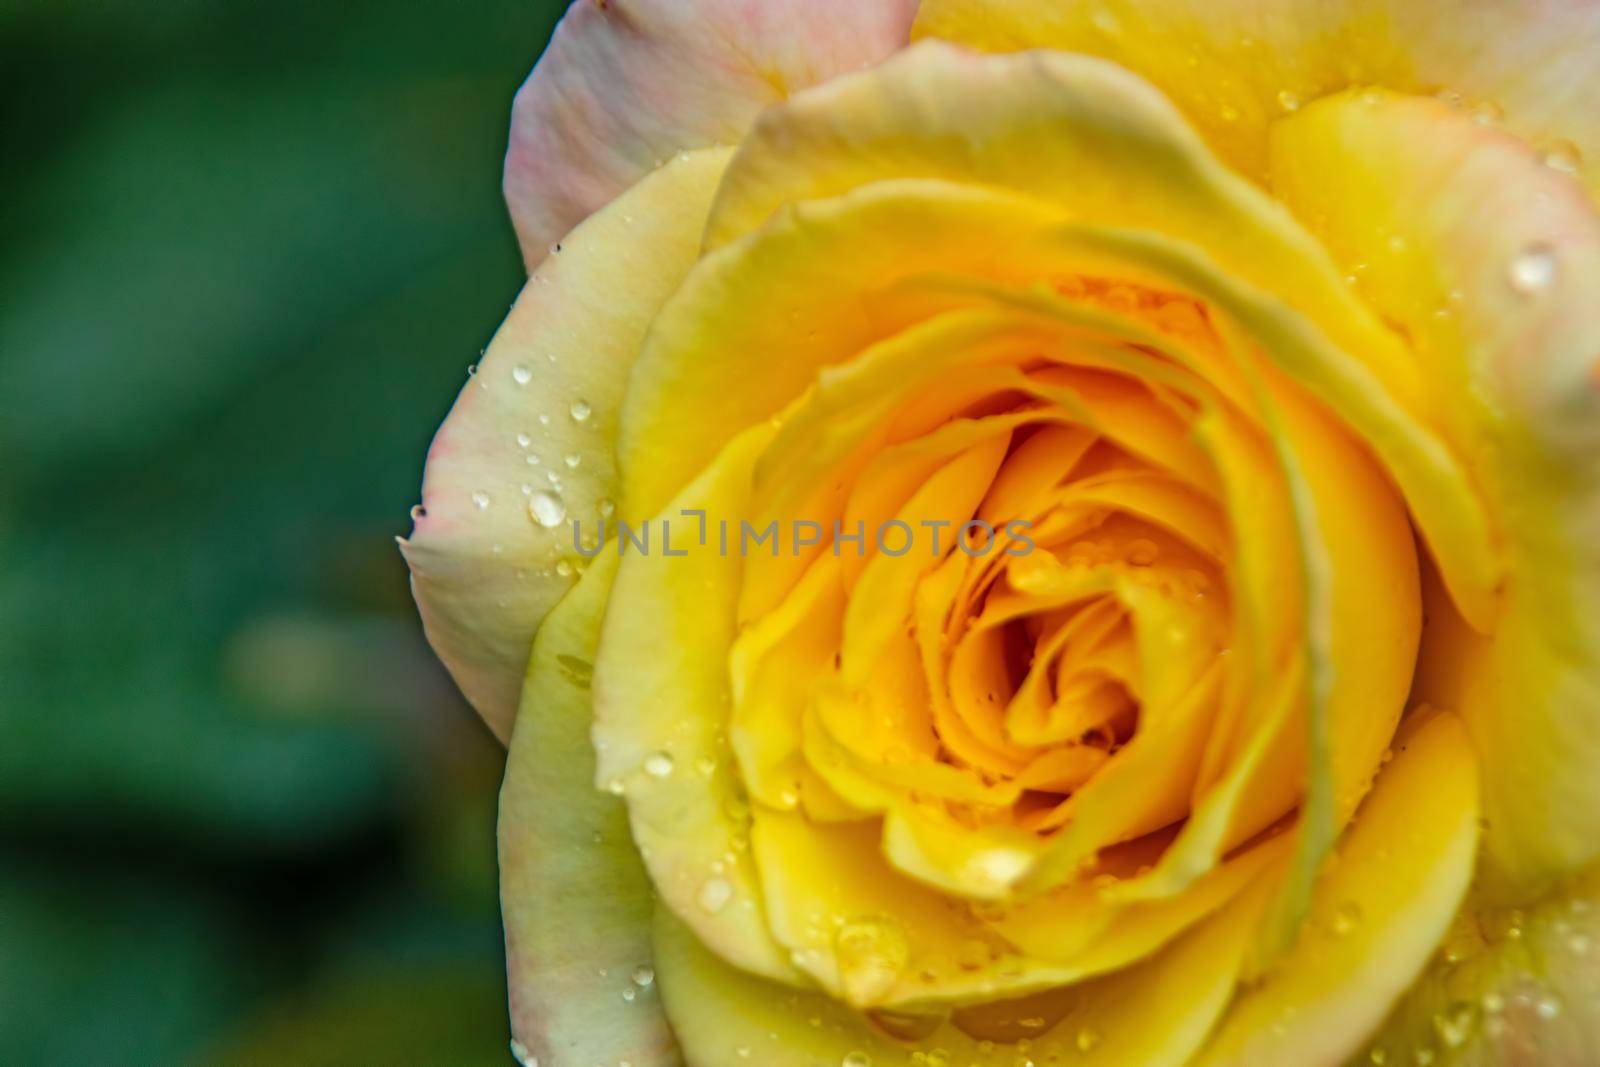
(714, 895)
(1547, 1006)
(972, 954)
(1346, 918)
(1378, 1056)
(616, 787)
(1229, 113)
(1533, 270)
(1454, 1025)
(1487, 113)
(606, 507)
(658, 764)
(523, 440)
(573, 459)
(1563, 156)
(997, 868)
(520, 1053)
(1493, 1003)
(743, 1052)
(418, 512)
(643, 976)
(628, 995)
(1580, 944)
(546, 508)
(521, 374)
(1087, 1039)
(564, 568)
(1142, 552)
(533, 459)
(480, 499)
(1289, 101)
(1422, 1057)
(580, 410)
(856, 1059)
(871, 954)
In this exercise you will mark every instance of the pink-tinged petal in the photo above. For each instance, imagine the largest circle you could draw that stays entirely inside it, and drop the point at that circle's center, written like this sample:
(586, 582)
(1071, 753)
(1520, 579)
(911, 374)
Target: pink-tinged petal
(576, 899)
(1511, 987)
(1233, 66)
(627, 83)
(1489, 262)
(527, 450)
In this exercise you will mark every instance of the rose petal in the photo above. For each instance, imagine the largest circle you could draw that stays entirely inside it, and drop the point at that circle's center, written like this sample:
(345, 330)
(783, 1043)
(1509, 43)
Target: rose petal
(575, 898)
(1489, 262)
(547, 389)
(1233, 66)
(1099, 145)
(1154, 1014)
(661, 706)
(1381, 907)
(625, 84)
(1511, 986)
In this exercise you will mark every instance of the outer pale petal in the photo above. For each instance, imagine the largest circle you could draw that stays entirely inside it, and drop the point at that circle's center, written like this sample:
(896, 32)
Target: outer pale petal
(1490, 262)
(576, 900)
(1516, 986)
(1382, 906)
(1233, 66)
(480, 564)
(627, 83)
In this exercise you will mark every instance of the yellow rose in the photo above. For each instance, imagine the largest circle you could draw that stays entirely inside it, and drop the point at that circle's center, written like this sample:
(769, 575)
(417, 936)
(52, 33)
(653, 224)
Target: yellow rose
(1076, 541)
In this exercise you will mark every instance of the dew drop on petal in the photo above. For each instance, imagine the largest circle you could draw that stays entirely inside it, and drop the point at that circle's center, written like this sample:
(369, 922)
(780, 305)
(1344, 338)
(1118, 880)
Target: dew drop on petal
(1087, 1039)
(546, 508)
(521, 374)
(1454, 1025)
(871, 954)
(480, 499)
(856, 1059)
(580, 410)
(573, 459)
(643, 976)
(1289, 101)
(1533, 270)
(1346, 918)
(520, 1053)
(523, 440)
(1563, 156)
(658, 765)
(714, 895)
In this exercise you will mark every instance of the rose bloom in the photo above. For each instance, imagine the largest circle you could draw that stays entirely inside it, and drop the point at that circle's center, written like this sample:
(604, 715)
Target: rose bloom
(1251, 350)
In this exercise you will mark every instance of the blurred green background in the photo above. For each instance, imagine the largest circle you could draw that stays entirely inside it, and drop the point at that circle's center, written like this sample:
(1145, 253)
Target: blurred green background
(249, 250)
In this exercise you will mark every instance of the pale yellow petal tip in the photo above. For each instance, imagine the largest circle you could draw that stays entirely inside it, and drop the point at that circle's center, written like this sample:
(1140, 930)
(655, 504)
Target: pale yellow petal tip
(1509, 986)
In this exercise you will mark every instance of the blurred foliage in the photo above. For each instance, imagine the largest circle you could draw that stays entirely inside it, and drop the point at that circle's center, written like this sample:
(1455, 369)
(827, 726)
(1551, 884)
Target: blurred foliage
(250, 249)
